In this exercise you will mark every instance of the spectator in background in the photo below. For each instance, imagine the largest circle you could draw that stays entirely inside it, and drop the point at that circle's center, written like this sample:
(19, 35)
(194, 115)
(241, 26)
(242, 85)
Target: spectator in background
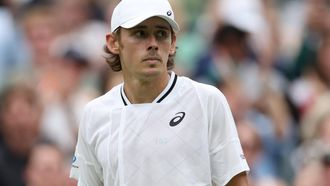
(193, 17)
(315, 132)
(313, 82)
(229, 49)
(84, 32)
(272, 123)
(41, 28)
(261, 168)
(10, 43)
(73, 14)
(316, 27)
(270, 117)
(20, 113)
(236, 52)
(316, 123)
(63, 109)
(78, 23)
(56, 66)
(46, 167)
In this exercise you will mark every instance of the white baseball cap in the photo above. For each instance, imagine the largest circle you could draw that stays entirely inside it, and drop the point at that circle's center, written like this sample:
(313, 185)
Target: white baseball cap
(129, 13)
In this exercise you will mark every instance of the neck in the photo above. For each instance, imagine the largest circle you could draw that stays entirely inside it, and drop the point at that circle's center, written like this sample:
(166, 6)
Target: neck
(145, 91)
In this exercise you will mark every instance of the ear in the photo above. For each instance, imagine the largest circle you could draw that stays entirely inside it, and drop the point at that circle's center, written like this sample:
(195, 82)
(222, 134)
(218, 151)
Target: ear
(173, 45)
(112, 43)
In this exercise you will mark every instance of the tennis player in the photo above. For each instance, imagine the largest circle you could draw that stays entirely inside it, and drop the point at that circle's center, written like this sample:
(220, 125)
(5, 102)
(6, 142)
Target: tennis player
(156, 128)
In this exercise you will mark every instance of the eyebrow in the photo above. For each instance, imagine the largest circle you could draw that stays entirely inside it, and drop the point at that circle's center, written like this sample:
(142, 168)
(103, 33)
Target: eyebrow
(157, 26)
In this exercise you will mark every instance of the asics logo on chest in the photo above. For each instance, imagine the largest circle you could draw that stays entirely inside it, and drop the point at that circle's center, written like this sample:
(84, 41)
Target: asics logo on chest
(177, 119)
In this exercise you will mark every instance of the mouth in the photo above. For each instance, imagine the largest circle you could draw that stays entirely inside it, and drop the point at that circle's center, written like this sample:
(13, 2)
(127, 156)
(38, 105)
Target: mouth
(152, 60)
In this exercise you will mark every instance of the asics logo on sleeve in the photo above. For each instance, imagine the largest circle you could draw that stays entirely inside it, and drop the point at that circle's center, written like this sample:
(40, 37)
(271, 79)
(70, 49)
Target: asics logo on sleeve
(74, 159)
(177, 119)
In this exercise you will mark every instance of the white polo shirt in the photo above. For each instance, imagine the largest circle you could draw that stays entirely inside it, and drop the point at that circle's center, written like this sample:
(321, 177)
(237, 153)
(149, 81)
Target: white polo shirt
(185, 137)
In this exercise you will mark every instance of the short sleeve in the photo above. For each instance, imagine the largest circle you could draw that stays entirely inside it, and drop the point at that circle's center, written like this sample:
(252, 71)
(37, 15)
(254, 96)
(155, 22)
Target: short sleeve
(85, 168)
(226, 154)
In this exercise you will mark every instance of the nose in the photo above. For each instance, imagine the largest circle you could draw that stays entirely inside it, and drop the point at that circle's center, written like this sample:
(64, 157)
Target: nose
(153, 43)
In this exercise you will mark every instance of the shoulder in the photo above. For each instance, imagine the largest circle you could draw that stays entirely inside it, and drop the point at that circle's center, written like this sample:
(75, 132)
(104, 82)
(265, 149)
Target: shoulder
(106, 101)
(204, 91)
(210, 98)
(96, 112)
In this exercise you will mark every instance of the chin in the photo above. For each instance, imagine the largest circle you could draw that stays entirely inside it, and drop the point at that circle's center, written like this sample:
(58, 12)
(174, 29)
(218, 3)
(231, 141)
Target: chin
(153, 72)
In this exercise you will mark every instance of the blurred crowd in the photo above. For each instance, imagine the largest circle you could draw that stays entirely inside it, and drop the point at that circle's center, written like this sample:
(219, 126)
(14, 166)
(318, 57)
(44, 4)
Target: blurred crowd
(270, 58)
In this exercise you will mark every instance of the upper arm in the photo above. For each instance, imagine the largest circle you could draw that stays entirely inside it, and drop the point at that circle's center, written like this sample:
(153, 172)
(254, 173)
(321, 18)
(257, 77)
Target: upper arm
(85, 167)
(239, 180)
(226, 154)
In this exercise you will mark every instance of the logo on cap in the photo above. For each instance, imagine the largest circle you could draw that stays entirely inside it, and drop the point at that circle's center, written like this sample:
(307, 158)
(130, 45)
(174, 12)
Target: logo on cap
(169, 13)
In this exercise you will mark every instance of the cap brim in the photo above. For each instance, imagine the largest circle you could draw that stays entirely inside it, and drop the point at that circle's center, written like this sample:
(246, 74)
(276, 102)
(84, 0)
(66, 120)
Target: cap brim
(137, 20)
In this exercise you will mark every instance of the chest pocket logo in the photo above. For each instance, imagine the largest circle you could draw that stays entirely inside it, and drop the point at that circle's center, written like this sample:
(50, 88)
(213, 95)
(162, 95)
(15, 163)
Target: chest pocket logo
(177, 119)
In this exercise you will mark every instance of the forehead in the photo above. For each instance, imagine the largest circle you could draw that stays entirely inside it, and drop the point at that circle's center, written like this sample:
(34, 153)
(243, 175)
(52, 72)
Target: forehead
(154, 22)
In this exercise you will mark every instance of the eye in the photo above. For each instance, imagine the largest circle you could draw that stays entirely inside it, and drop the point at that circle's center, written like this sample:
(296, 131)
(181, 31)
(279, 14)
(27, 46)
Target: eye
(162, 34)
(140, 34)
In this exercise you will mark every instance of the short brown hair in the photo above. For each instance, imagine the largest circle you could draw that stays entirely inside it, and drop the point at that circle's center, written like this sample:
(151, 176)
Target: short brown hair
(113, 60)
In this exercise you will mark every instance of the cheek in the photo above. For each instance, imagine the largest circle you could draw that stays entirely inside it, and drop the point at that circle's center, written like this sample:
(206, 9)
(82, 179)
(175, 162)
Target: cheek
(129, 52)
(166, 49)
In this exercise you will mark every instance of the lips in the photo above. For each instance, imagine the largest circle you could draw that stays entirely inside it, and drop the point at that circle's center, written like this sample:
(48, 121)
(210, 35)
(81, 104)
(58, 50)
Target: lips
(152, 59)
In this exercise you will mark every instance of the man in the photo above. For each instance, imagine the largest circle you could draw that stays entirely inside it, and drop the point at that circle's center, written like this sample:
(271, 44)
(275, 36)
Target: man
(156, 128)
(20, 115)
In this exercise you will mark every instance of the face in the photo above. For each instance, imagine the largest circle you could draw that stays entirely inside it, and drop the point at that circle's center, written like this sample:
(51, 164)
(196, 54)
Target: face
(45, 167)
(21, 121)
(144, 49)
